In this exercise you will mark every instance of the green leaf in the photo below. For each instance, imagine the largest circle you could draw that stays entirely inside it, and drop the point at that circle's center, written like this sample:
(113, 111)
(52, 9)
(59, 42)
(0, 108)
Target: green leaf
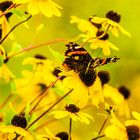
(57, 55)
(17, 12)
(1, 60)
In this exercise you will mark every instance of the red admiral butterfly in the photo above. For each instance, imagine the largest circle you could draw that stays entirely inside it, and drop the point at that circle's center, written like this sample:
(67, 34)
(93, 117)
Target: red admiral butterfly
(78, 59)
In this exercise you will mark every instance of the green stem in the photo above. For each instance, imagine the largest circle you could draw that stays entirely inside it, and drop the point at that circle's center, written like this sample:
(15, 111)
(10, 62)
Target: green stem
(104, 124)
(70, 128)
(6, 101)
(14, 28)
(44, 113)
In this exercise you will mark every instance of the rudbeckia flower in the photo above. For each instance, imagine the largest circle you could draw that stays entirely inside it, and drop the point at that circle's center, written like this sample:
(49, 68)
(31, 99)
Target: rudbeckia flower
(36, 81)
(119, 96)
(46, 7)
(128, 131)
(17, 129)
(73, 112)
(12, 130)
(100, 42)
(48, 135)
(84, 85)
(110, 23)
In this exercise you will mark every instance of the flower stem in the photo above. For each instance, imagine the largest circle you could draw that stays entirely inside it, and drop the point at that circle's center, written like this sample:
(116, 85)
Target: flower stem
(31, 47)
(98, 137)
(70, 128)
(104, 124)
(44, 113)
(1, 41)
(6, 101)
(44, 95)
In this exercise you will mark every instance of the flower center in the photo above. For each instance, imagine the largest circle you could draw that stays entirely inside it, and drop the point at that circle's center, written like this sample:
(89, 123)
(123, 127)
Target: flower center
(133, 132)
(42, 86)
(124, 91)
(56, 72)
(72, 108)
(19, 120)
(38, 56)
(88, 77)
(104, 37)
(97, 25)
(104, 77)
(113, 16)
(62, 135)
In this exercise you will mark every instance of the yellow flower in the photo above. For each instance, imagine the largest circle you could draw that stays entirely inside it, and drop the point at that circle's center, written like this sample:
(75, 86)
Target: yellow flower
(12, 130)
(118, 99)
(36, 81)
(111, 22)
(73, 112)
(46, 7)
(5, 73)
(84, 25)
(84, 84)
(102, 42)
(48, 135)
(118, 96)
(129, 131)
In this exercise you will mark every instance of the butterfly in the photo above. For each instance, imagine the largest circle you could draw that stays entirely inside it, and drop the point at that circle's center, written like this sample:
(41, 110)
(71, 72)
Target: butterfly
(78, 59)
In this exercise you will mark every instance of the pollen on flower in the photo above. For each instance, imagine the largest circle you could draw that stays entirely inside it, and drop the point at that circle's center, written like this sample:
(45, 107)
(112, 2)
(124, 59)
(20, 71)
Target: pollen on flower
(133, 132)
(72, 108)
(88, 77)
(104, 77)
(113, 16)
(124, 91)
(19, 120)
(62, 135)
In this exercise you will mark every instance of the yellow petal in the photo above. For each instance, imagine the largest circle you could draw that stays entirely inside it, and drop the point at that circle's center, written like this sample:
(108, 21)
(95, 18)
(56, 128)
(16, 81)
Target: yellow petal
(136, 115)
(55, 7)
(123, 109)
(33, 7)
(113, 93)
(124, 31)
(59, 114)
(95, 92)
(114, 31)
(98, 20)
(19, 130)
(21, 1)
(106, 50)
(115, 133)
(46, 8)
